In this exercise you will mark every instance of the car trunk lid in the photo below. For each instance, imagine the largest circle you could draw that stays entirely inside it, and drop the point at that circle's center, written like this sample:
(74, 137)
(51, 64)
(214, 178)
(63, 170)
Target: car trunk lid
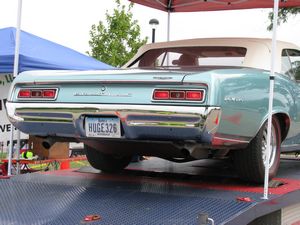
(111, 86)
(109, 76)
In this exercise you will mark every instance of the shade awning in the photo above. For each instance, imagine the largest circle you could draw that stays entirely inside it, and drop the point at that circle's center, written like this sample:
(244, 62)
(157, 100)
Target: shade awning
(212, 5)
(37, 53)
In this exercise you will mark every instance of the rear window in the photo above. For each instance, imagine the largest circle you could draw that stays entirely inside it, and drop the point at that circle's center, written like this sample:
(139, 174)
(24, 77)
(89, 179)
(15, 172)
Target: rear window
(185, 57)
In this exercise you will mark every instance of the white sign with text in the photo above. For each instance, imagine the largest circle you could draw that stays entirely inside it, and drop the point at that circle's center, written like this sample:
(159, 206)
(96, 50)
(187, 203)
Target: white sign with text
(5, 125)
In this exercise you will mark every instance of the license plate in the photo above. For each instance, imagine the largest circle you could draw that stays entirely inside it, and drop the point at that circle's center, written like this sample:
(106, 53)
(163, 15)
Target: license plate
(102, 127)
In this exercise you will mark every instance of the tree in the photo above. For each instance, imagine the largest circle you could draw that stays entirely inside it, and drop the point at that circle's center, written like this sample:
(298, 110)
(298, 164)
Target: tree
(283, 14)
(117, 41)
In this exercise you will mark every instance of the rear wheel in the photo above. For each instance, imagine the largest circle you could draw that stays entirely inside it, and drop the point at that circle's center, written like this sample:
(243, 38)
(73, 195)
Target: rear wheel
(250, 162)
(106, 162)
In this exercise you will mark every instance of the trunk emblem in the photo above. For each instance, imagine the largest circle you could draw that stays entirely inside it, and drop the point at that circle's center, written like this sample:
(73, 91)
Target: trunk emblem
(101, 93)
(163, 78)
(103, 88)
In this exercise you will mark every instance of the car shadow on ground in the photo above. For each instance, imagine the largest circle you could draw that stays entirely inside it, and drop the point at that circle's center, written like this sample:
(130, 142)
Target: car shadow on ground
(211, 171)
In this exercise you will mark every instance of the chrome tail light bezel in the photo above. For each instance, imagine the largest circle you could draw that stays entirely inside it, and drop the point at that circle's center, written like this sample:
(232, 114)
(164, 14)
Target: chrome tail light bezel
(172, 99)
(35, 97)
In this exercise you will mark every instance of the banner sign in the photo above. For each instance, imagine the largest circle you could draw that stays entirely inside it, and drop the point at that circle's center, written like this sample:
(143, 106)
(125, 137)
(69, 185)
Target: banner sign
(5, 125)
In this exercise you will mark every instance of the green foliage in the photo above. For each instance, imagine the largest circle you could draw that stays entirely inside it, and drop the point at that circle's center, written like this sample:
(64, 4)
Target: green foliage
(296, 66)
(117, 41)
(283, 15)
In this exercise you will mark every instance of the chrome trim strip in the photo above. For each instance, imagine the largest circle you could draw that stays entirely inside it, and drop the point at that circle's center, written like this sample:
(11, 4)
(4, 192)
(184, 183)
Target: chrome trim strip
(162, 124)
(231, 140)
(56, 82)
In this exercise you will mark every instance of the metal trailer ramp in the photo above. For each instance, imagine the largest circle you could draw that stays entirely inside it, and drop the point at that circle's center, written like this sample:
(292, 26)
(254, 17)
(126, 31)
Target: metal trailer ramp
(150, 192)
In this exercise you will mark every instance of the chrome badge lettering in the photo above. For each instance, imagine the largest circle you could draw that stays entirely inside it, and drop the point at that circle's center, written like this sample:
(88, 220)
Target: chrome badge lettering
(101, 93)
(233, 99)
(163, 78)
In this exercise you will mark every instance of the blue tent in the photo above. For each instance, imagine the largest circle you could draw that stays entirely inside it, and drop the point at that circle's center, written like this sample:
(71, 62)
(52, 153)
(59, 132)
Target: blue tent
(37, 53)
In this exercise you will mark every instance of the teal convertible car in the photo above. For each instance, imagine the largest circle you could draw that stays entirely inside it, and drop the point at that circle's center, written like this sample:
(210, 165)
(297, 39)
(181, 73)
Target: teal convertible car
(181, 101)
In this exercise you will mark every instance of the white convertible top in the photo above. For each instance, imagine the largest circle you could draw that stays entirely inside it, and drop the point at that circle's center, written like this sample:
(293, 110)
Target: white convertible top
(258, 49)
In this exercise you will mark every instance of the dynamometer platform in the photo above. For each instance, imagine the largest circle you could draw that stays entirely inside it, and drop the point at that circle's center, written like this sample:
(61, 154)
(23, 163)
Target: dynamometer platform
(152, 191)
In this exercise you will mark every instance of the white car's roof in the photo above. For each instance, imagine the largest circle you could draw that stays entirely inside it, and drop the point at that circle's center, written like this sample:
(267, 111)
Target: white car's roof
(258, 50)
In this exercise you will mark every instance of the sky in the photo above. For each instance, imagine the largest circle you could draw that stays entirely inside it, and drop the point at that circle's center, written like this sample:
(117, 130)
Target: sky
(68, 22)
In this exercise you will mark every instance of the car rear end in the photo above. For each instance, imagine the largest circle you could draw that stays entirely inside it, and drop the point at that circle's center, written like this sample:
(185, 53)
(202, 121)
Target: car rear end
(145, 105)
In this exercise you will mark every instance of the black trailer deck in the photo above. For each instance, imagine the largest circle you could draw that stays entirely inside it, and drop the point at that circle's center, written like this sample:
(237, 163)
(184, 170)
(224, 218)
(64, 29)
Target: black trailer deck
(152, 191)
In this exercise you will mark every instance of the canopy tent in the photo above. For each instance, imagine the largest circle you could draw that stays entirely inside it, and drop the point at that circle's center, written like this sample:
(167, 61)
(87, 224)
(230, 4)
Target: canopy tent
(216, 5)
(172, 6)
(212, 5)
(37, 53)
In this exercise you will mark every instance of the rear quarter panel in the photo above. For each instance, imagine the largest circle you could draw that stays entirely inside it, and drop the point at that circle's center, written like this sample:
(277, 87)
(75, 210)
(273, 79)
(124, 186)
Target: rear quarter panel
(243, 96)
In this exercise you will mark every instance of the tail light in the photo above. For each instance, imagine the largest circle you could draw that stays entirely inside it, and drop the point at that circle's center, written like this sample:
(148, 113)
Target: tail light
(49, 93)
(194, 95)
(38, 93)
(161, 95)
(24, 94)
(177, 95)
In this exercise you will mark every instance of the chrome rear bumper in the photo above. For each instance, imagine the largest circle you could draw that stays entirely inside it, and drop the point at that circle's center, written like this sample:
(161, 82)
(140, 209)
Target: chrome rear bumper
(140, 122)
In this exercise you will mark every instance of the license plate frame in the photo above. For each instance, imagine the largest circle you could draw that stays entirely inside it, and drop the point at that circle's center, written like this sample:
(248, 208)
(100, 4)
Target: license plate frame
(103, 127)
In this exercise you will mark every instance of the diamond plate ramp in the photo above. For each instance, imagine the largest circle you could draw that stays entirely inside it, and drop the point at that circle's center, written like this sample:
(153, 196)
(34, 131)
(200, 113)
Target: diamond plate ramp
(48, 199)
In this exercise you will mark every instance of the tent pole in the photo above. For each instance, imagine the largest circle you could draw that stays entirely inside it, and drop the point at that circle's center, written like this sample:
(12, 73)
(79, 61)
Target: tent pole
(18, 151)
(16, 67)
(168, 34)
(17, 47)
(271, 95)
(11, 146)
(16, 71)
(168, 25)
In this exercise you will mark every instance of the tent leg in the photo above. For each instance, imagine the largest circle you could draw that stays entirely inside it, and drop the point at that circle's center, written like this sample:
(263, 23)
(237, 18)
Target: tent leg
(10, 151)
(16, 67)
(18, 151)
(271, 95)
